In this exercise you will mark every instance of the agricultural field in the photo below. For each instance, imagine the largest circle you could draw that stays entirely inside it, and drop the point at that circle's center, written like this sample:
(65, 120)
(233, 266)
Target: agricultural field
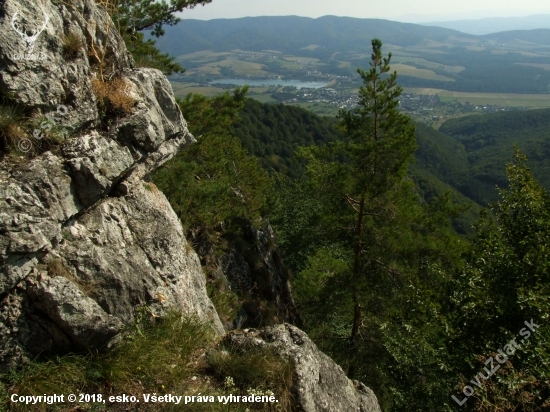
(182, 89)
(408, 70)
(446, 76)
(532, 101)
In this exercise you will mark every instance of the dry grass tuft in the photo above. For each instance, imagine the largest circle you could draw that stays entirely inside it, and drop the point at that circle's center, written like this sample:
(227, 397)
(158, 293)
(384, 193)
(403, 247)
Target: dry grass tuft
(72, 45)
(189, 247)
(12, 130)
(114, 96)
(25, 134)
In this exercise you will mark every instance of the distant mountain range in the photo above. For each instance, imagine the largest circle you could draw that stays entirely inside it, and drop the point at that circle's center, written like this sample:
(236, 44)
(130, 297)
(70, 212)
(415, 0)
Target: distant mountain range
(495, 24)
(434, 57)
(291, 34)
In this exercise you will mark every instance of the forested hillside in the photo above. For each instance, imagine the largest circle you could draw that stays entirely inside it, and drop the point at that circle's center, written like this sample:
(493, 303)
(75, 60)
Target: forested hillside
(486, 144)
(264, 33)
(467, 155)
(273, 132)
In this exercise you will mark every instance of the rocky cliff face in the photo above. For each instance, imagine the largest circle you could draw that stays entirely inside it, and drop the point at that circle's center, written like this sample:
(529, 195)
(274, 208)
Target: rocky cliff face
(85, 238)
(253, 269)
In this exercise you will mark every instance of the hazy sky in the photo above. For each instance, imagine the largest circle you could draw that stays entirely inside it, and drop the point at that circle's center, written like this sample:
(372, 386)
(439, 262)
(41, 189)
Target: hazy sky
(400, 10)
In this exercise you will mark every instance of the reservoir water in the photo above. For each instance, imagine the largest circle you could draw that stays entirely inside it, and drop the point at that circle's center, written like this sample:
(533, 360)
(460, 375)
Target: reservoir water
(271, 82)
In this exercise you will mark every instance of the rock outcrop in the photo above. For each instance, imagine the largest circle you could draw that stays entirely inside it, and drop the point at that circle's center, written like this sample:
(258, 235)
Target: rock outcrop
(253, 269)
(320, 385)
(85, 239)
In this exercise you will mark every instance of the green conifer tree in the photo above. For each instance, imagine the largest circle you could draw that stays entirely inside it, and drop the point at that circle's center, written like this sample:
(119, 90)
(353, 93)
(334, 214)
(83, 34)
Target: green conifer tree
(363, 168)
(133, 17)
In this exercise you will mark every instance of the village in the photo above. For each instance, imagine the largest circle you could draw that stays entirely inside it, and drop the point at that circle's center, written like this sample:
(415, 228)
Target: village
(421, 107)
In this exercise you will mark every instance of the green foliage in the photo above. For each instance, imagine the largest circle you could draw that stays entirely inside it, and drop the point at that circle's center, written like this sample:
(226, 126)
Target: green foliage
(156, 356)
(161, 356)
(505, 284)
(214, 183)
(139, 15)
(158, 352)
(301, 217)
(146, 54)
(272, 132)
(486, 143)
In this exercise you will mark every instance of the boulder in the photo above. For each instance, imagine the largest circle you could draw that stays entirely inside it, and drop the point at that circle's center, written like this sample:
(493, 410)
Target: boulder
(320, 385)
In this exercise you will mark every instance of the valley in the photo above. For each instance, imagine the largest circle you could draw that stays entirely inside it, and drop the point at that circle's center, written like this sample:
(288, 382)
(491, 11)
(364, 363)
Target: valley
(450, 73)
(425, 105)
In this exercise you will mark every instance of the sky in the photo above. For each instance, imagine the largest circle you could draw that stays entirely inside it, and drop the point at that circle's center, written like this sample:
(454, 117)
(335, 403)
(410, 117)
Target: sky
(413, 11)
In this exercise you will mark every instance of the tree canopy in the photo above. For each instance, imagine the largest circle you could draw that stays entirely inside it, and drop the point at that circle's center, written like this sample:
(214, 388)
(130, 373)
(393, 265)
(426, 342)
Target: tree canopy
(139, 15)
(133, 17)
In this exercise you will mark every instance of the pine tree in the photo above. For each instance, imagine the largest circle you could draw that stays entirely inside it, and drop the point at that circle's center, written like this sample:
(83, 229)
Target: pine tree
(364, 168)
(133, 17)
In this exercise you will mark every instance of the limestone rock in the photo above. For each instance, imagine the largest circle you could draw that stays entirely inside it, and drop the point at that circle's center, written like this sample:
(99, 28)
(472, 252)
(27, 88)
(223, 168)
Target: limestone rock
(156, 113)
(41, 76)
(134, 249)
(96, 163)
(320, 384)
(77, 315)
(87, 204)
